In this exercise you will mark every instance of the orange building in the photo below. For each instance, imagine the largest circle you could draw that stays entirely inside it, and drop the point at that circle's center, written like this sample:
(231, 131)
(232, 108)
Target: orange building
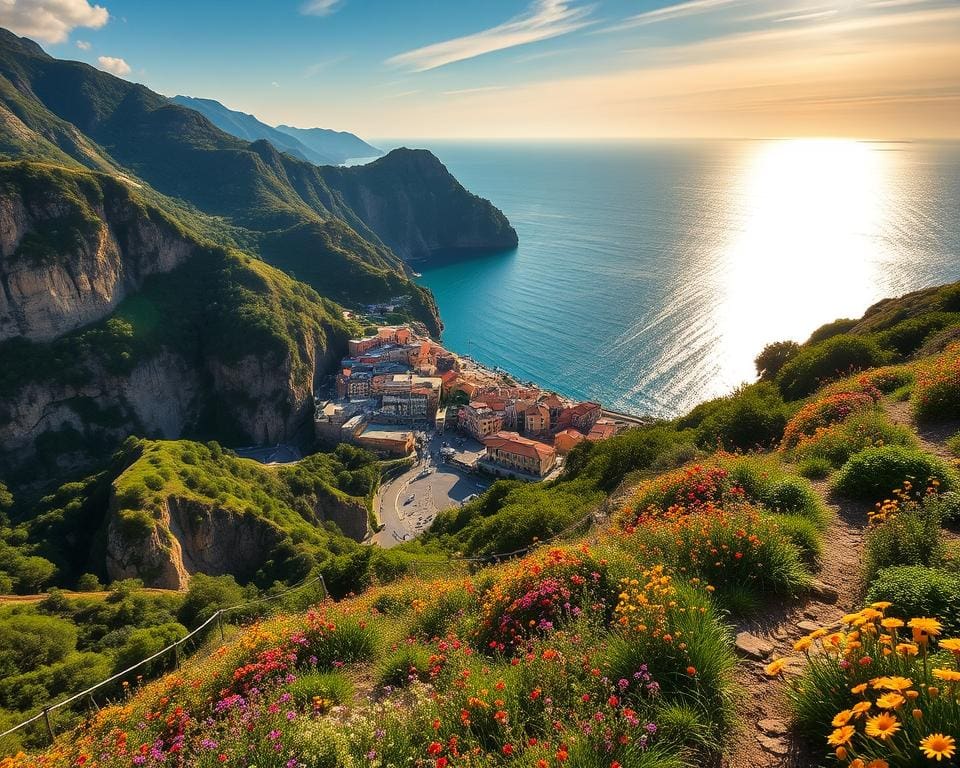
(510, 451)
(566, 440)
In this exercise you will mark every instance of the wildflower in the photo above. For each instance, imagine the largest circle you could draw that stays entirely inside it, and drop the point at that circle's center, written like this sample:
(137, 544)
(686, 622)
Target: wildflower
(924, 628)
(890, 700)
(841, 736)
(776, 666)
(949, 675)
(951, 644)
(842, 718)
(882, 726)
(894, 683)
(938, 746)
(860, 708)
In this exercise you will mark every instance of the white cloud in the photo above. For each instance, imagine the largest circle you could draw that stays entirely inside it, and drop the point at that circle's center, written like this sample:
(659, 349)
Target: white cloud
(319, 7)
(83, 45)
(545, 19)
(670, 12)
(274, 84)
(114, 65)
(51, 21)
(481, 89)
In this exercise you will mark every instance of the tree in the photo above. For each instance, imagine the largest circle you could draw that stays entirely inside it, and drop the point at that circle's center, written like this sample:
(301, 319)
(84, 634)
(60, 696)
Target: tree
(773, 357)
(207, 594)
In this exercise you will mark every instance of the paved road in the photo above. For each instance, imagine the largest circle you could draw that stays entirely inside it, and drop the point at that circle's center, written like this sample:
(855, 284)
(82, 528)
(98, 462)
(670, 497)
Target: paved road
(445, 487)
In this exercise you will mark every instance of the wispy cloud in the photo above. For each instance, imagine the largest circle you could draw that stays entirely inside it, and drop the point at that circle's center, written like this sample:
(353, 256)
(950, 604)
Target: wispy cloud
(319, 7)
(669, 13)
(83, 45)
(481, 89)
(809, 16)
(545, 19)
(317, 67)
(403, 94)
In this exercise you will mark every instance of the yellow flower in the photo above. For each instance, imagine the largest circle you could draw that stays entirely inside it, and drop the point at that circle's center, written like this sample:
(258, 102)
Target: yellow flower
(907, 649)
(882, 726)
(803, 644)
(881, 606)
(890, 701)
(861, 708)
(776, 666)
(937, 746)
(926, 626)
(891, 623)
(950, 675)
(841, 736)
(951, 644)
(878, 764)
(842, 718)
(894, 683)
(858, 689)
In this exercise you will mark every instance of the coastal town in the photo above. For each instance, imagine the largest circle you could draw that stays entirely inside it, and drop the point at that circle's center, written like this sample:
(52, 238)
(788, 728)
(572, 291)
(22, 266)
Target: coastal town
(397, 386)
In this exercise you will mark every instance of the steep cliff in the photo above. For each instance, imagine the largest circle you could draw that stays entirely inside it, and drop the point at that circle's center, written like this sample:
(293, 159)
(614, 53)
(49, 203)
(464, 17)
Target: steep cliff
(72, 246)
(176, 336)
(181, 508)
(416, 206)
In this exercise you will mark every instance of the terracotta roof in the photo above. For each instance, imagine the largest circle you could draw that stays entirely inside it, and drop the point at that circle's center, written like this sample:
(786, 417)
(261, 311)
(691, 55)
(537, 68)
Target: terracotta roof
(511, 442)
(583, 408)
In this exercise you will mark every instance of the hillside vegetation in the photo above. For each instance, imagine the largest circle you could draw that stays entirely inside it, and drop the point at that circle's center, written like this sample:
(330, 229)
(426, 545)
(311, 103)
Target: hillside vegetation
(613, 645)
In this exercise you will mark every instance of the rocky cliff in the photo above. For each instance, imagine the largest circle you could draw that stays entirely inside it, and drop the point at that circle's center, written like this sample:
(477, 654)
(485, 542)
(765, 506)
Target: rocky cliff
(72, 248)
(180, 508)
(416, 206)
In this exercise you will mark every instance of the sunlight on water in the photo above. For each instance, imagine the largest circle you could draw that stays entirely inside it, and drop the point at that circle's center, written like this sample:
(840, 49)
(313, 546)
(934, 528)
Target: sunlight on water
(650, 275)
(808, 221)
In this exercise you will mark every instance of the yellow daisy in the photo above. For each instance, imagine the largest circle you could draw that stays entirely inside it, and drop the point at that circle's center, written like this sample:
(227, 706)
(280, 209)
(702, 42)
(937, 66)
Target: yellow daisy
(938, 746)
(882, 726)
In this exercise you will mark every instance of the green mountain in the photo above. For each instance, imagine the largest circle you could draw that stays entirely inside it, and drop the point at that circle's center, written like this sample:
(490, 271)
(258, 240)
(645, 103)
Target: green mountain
(248, 128)
(339, 144)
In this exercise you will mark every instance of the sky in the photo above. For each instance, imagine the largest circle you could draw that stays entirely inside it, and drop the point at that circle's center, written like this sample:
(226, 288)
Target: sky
(561, 69)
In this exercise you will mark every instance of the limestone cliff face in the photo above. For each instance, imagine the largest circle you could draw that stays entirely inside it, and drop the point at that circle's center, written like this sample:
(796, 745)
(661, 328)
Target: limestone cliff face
(67, 261)
(189, 537)
(414, 205)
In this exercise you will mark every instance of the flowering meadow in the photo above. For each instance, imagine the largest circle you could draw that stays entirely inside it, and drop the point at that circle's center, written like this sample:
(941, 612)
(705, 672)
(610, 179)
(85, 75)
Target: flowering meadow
(571, 656)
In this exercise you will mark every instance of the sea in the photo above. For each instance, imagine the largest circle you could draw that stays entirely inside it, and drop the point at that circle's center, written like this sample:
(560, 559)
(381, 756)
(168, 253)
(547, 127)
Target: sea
(650, 274)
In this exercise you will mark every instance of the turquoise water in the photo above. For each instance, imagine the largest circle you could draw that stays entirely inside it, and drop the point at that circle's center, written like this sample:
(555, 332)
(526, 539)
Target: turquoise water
(649, 275)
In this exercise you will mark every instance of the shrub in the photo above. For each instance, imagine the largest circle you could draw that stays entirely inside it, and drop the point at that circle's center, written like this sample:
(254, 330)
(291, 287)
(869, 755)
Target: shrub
(206, 594)
(434, 617)
(953, 444)
(89, 582)
(904, 532)
(751, 418)
(814, 467)
(805, 536)
(405, 665)
(875, 473)
(936, 394)
(773, 357)
(837, 443)
(653, 615)
(908, 335)
(826, 360)
(331, 688)
(338, 640)
(916, 590)
(825, 412)
(834, 328)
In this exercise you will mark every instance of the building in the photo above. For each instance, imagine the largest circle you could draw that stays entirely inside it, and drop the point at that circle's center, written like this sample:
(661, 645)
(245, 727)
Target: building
(406, 384)
(329, 418)
(583, 416)
(413, 405)
(520, 454)
(536, 419)
(355, 385)
(479, 420)
(566, 440)
(386, 439)
(603, 429)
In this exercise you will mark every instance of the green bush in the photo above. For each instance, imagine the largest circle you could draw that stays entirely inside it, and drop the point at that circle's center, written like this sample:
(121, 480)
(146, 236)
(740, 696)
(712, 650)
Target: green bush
(814, 468)
(751, 418)
(206, 594)
(333, 687)
(875, 473)
(953, 444)
(408, 663)
(773, 357)
(910, 536)
(908, 335)
(864, 429)
(920, 591)
(837, 356)
(349, 641)
(831, 329)
(805, 535)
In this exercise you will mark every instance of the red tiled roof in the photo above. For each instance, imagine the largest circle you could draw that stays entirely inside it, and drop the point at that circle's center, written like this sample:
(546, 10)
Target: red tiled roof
(511, 442)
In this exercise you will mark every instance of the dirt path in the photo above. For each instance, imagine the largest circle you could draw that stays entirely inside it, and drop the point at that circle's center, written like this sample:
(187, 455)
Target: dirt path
(932, 437)
(763, 739)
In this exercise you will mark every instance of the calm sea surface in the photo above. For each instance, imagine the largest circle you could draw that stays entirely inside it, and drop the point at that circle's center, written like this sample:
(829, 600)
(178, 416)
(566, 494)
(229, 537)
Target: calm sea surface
(649, 275)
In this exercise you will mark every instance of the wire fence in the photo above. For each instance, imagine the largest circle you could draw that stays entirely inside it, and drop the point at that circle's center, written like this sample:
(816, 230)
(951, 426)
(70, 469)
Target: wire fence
(171, 652)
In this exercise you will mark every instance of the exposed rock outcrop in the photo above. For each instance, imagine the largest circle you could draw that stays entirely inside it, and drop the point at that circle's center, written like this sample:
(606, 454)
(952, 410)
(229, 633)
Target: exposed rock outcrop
(68, 256)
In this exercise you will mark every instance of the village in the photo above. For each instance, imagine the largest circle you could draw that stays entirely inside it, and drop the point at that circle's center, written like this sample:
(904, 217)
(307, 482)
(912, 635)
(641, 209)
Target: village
(396, 387)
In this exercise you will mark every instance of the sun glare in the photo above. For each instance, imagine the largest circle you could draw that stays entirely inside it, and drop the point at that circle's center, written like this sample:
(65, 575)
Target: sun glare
(806, 233)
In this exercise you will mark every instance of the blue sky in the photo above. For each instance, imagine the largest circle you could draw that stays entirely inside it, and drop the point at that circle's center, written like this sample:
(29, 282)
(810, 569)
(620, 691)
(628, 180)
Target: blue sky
(529, 68)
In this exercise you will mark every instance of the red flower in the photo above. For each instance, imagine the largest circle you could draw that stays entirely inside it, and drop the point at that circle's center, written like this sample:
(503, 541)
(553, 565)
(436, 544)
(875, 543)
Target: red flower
(434, 748)
(508, 749)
